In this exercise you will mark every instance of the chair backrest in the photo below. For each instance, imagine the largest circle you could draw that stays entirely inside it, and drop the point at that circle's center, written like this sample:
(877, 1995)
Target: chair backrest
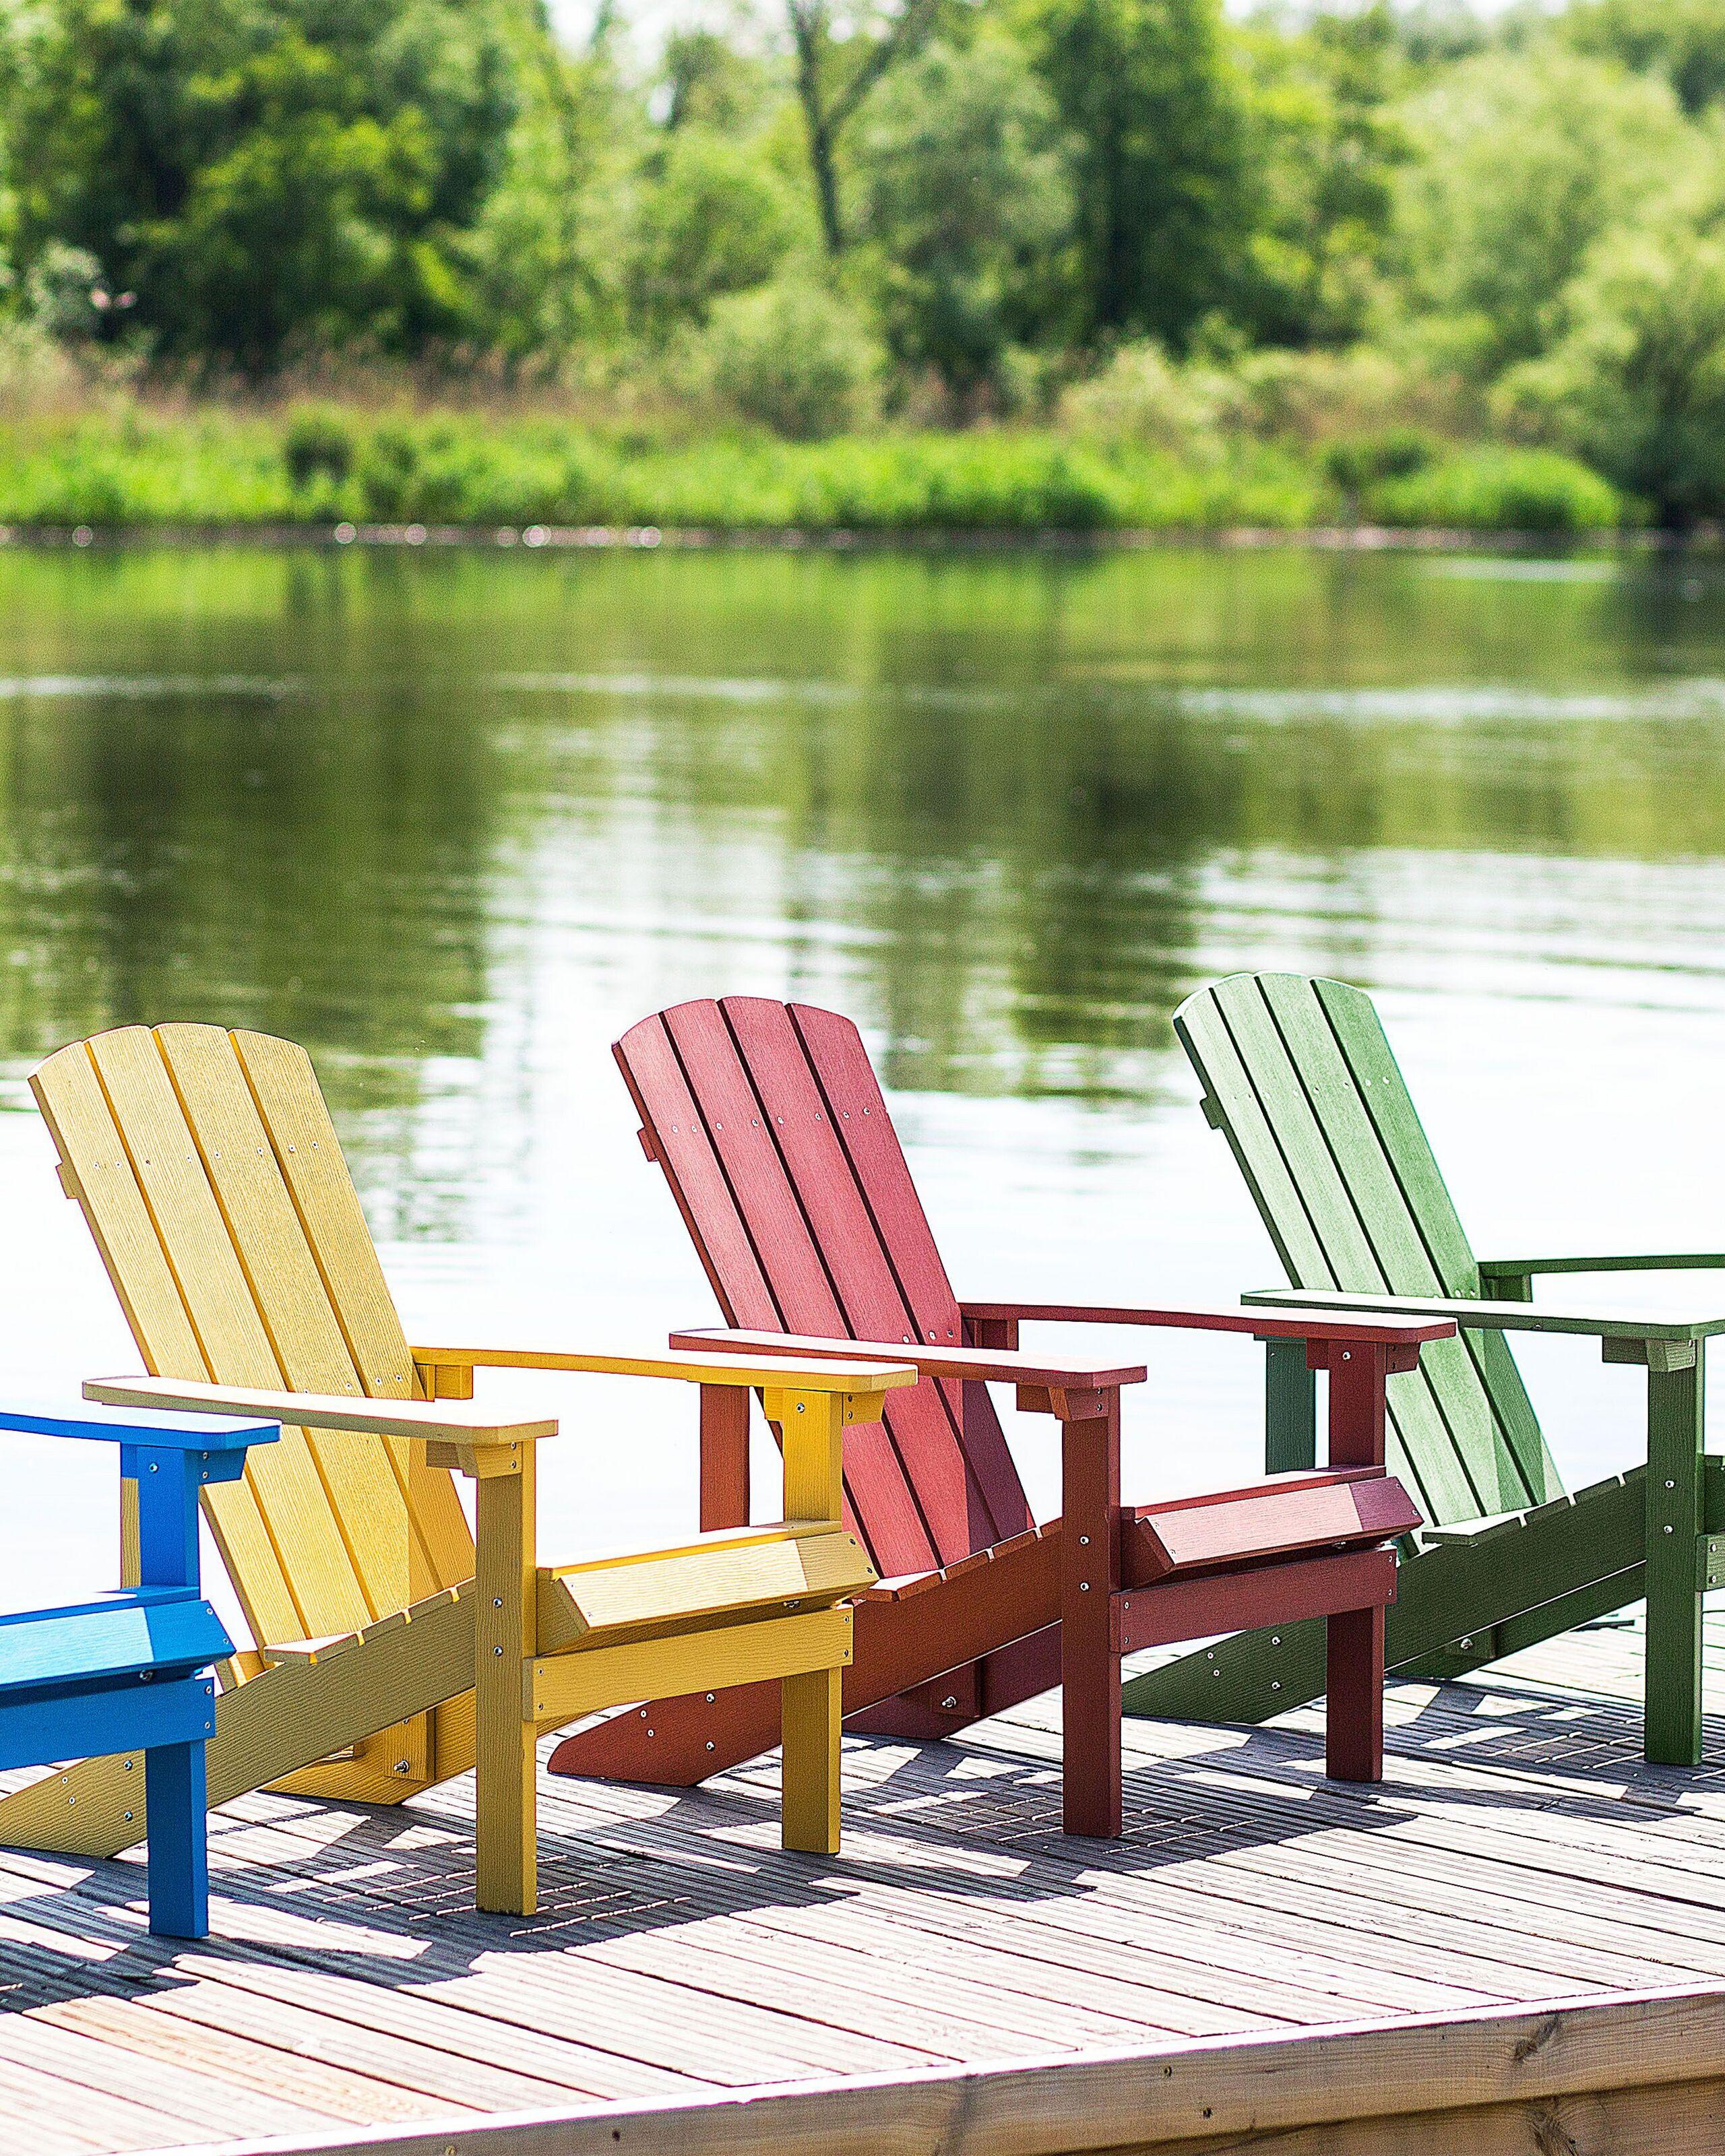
(768, 1123)
(1299, 1075)
(208, 1168)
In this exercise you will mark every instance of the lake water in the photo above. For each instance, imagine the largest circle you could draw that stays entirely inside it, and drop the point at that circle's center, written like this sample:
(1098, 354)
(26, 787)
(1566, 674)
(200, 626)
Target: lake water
(454, 819)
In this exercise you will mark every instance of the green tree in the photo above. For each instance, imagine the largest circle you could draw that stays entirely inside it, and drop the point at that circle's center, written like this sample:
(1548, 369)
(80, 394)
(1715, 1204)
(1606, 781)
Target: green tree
(712, 217)
(1523, 162)
(1156, 105)
(1637, 386)
(708, 83)
(839, 57)
(970, 206)
(1327, 145)
(539, 264)
(1161, 164)
(1683, 40)
(267, 176)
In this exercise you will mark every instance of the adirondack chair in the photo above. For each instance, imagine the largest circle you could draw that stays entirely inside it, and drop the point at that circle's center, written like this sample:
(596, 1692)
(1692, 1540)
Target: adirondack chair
(772, 1132)
(211, 1177)
(1298, 1075)
(135, 1668)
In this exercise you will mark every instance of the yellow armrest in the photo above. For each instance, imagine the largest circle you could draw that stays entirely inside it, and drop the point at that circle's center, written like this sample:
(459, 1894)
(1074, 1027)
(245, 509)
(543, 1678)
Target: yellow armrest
(448, 1421)
(779, 1375)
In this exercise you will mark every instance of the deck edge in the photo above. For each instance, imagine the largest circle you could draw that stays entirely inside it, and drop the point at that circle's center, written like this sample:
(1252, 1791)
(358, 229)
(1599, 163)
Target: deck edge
(1337, 2075)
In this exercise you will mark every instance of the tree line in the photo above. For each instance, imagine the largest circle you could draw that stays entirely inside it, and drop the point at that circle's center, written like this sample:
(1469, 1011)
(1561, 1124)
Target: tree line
(1367, 227)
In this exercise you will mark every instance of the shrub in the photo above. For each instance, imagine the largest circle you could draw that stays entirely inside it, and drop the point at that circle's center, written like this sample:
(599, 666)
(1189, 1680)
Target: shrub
(1493, 489)
(714, 217)
(319, 444)
(793, 358)
(440, 469)
(1140, 396)
(1358, 464)
(1311, 396)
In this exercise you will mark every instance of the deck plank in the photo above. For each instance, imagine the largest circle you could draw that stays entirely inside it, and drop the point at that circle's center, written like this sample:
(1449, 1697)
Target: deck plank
(1518, 1849)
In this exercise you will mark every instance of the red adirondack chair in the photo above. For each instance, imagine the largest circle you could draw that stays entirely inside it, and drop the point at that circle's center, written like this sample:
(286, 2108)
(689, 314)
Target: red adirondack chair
(768, 1124)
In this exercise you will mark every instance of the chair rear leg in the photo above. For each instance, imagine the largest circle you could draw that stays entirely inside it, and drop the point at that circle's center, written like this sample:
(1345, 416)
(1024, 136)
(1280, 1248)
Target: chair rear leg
(1353, 1718)
(174, 1794)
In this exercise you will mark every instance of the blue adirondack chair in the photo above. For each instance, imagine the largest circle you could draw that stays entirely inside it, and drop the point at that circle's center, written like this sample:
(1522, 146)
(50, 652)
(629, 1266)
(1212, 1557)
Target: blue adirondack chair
(130, 1670)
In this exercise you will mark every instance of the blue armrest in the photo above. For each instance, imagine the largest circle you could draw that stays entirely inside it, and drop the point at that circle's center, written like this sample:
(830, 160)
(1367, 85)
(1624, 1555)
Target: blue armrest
(221, 1444)
(169, 1457)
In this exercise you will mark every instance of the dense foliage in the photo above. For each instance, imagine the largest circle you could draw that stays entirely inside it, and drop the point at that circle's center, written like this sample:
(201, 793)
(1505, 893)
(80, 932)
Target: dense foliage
(1386, 241)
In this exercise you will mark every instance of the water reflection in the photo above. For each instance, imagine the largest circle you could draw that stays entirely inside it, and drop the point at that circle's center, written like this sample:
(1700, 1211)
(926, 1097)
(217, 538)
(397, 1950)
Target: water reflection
(303, 789)
(454, 819)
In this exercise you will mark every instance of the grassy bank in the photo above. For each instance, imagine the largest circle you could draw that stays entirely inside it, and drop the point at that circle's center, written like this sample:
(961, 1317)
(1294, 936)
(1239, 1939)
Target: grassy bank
(127, 464)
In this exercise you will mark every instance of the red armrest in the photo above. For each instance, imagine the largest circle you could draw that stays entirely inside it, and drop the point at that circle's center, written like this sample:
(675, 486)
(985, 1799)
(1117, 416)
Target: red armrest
(1308, 1325)
(1004, 1365)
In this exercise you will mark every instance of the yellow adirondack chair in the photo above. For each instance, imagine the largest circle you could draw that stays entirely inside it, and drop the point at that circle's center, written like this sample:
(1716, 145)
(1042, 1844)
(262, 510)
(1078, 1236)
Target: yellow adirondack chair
(209, 1172)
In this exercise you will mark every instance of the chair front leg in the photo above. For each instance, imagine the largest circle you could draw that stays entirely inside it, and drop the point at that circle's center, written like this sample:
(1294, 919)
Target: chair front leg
(505, 1641)
(175, 1803)
(811, 1705)
(1676, 1519)
(1353, 1710)
(1090, 1581)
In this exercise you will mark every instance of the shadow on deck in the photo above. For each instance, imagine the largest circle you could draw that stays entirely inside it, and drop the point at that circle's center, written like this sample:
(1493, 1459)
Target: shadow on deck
(1519, 1851)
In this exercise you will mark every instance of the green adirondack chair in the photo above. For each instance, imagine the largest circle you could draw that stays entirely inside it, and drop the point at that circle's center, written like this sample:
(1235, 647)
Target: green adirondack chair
(1298, 1076)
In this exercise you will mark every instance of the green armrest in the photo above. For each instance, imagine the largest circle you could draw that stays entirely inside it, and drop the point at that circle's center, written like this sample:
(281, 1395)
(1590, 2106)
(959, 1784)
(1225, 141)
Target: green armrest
(1660, 1261)
(1485, 1317)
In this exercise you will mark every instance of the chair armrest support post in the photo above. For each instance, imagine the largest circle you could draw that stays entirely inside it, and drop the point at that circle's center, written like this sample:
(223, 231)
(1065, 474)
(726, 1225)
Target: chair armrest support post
(505, 1641)
(1677, 1522)
(724, 1457)
(1001, 1334)
(1290, 1408)
(812, 1425)
(1358, 1378)
(168, 1515)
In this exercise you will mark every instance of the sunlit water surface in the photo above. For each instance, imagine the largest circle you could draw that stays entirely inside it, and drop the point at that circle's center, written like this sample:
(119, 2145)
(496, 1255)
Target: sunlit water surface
(455, 820)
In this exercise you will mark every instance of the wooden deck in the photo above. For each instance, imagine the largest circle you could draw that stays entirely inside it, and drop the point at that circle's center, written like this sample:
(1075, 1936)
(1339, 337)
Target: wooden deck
(1519, 1851)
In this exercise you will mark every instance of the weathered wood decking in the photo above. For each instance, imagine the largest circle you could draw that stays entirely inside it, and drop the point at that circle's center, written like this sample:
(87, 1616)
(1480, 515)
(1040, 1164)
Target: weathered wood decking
(1519, 1851)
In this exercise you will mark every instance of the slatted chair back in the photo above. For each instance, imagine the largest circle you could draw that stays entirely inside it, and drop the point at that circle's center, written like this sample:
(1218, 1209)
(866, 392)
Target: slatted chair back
(1298, 1075)
(768, 1123)
(207, 1166)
